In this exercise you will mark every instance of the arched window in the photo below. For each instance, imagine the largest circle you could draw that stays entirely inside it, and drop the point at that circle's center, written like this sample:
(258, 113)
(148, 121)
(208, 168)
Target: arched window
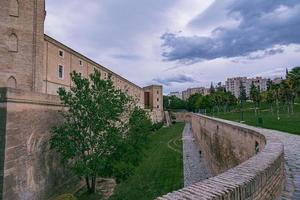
(12, 82)
(13, 43)
(14, 8)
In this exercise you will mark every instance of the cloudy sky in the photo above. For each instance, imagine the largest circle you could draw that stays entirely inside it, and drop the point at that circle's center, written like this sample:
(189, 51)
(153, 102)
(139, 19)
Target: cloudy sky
(181, 43)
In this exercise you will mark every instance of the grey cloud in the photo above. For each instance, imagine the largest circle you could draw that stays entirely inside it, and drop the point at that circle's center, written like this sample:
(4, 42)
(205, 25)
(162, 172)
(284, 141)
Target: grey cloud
(180, 78)
(262, 25)
(266, 53)
(126, 56)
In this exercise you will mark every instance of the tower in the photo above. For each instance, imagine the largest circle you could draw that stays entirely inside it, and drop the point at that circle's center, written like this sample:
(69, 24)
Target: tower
(21, 43)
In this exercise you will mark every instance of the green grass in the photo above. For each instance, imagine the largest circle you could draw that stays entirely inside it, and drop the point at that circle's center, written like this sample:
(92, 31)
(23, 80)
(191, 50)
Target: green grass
(160, 172)
(290, 124)
(83, 195)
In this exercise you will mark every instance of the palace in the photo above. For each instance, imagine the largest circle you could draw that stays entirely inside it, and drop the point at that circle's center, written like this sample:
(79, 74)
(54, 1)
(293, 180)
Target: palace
(33, 61)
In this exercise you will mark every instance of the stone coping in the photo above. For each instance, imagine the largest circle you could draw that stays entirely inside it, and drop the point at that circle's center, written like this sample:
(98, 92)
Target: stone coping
(20, 96)
(244, 181)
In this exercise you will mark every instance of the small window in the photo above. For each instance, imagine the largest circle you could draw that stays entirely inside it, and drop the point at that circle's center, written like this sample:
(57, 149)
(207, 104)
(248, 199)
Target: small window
(60, 72)
(81, 63)
(13, 43)
(157, 99)
(61, 53)
(14, 8)
(157, 106)
(157, 92)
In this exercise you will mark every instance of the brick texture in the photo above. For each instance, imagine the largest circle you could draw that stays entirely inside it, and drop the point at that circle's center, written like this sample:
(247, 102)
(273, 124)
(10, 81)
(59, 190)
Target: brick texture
(240, 172)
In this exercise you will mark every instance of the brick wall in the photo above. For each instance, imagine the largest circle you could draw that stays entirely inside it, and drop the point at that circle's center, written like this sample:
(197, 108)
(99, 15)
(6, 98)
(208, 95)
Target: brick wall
(230, 150)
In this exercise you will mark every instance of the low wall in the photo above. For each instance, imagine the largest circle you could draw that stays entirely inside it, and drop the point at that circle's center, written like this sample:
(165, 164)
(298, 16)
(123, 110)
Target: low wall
(247, 164)
(31, 171)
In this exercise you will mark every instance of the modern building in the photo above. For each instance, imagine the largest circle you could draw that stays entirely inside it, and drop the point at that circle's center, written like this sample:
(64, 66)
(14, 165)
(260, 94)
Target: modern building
(33, 61)
(190, 91)
(176, 94)
(233, 85)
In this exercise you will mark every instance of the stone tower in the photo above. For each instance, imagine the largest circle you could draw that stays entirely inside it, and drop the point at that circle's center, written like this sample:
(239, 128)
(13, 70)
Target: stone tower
(21, 43)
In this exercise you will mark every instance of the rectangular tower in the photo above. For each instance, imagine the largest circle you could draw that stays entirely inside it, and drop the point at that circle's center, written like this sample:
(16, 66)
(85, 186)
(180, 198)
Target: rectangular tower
(21, 44)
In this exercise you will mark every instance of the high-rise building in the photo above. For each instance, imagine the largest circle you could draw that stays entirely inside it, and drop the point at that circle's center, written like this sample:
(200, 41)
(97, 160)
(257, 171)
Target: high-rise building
(233, 85)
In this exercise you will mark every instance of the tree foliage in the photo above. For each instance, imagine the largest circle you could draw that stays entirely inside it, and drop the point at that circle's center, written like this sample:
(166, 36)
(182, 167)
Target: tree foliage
(96, 128)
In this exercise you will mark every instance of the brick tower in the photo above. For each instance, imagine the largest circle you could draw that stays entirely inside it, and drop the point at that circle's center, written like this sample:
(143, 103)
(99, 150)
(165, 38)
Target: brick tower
(21, 44)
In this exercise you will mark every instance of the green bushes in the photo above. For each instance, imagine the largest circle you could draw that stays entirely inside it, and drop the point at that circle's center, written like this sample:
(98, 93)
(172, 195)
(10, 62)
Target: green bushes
(157, 126)
(66, 197)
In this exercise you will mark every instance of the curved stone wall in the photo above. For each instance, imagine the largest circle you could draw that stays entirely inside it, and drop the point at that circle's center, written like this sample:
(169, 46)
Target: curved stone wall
(247, 164)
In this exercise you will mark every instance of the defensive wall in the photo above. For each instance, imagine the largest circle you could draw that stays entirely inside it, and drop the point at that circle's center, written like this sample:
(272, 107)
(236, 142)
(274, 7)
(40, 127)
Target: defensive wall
(246, 164)
(29, 170)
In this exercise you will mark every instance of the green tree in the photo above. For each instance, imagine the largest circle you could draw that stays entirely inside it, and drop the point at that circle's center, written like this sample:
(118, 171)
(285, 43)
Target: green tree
(242, 98)
(294, 78)
(287, 95)
(94, 128)
(255, 96)
(194, 102)
(212, 88)
(130, 152)
(174, 102)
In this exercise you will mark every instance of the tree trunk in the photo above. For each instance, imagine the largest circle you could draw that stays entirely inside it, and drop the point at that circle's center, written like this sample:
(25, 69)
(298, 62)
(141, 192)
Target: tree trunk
(93, 189)
(87, 181)
(277, 107)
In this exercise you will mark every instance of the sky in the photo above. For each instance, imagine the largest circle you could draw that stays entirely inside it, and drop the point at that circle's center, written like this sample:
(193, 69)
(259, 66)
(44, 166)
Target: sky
(181, 43)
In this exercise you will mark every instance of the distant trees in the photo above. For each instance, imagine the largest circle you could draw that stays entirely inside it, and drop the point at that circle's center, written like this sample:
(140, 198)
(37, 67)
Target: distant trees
(281, 95)
(255, 96)
(173, 102)
(215, 102)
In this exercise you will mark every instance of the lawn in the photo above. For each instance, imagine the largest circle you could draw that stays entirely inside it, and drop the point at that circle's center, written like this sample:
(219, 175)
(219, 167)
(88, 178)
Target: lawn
(290, 124)
(160, 172)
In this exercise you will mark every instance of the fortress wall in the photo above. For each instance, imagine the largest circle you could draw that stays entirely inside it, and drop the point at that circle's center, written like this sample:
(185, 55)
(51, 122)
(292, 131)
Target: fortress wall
(31, 170)
(230, 150)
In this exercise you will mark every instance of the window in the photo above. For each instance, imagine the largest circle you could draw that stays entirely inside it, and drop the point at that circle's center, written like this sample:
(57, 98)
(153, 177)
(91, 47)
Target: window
(12, 82)
(157, 106)
(13, 43)
(81, 63)
(157, 92)
(14, 8)
(157, 99)
(60, 71)
(61, 53)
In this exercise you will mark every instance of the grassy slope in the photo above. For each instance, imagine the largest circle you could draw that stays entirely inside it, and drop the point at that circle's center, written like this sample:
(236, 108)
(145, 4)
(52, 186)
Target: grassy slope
(286, 123)
(160, 172)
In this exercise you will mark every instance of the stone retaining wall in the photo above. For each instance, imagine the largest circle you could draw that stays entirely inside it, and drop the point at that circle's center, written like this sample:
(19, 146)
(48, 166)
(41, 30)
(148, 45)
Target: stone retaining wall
(246, 164)
(31, 171)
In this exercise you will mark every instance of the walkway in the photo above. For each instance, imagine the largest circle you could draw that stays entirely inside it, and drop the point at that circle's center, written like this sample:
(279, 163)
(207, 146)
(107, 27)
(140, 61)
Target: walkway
(292, 160)
(194, 166)
(292, 163)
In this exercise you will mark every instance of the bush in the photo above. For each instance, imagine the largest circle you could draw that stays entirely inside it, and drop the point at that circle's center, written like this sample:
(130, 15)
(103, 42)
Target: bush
(66, 197)
(157, 126)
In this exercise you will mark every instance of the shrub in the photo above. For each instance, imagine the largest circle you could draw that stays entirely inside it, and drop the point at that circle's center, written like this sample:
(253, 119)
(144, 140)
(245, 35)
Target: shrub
(157, 126)
(66, 197)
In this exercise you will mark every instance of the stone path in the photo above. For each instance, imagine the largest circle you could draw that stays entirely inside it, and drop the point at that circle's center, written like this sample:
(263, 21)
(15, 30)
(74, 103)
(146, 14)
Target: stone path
(292, 164)
(194, 166)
